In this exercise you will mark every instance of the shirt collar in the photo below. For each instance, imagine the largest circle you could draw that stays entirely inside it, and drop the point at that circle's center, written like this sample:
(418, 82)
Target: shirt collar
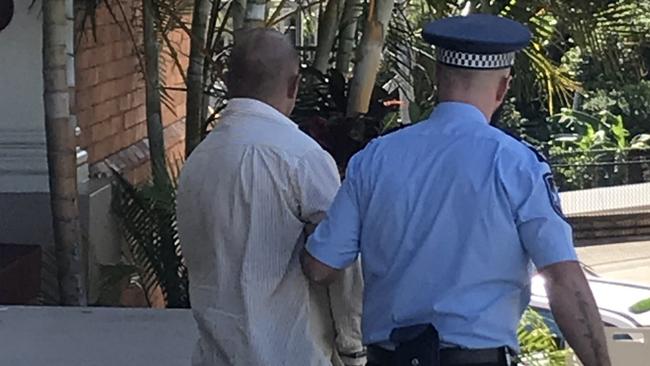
(257, 108)
(457, 110)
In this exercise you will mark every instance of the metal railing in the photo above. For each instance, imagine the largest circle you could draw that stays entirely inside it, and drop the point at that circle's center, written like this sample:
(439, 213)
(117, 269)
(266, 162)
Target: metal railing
(600, 168)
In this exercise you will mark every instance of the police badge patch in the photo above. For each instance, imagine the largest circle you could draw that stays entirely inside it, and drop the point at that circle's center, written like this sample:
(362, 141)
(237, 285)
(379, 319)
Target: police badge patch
(553, 194)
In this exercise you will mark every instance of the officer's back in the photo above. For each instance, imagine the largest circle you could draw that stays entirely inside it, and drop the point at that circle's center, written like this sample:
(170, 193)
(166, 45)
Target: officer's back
(447, 215)
(439, 240)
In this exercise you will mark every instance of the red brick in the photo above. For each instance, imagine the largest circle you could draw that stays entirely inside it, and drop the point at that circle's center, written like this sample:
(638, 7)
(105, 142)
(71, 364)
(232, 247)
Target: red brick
(87, 78)
(103, 16)
(119, 32)
(135, 116)
(84, 101)
(83, 59)
(123, 84)
(180, 109)
(136, 81)
(126, 102)
(133, 135)
(95, 94)
(139, 97)
(103, 34)
(168, 116)
(86, 117)
(104, 148)
(102, 55)
(125, 46)
(106, 109)
(117, 124)
(141, 131)
(128, 66)
(114, 89)
(107, 90)
(118, 50)
(87, 39)
(104, 73)
(100, 131)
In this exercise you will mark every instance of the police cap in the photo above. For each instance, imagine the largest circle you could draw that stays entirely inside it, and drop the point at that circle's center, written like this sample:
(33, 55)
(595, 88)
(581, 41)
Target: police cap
(477, 41)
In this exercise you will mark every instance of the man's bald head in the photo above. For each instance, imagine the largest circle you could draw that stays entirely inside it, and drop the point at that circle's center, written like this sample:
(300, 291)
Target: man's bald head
(264, 65)
(484, 89)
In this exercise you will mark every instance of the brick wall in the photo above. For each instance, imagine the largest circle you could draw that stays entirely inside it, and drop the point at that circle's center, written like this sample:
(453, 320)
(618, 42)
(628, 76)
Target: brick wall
(610, 228)
(110, 96)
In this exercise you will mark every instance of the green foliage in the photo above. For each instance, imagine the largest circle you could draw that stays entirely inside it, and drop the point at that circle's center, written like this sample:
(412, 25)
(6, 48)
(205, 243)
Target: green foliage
(632, 101)
(147, 216)
(539, 346)
(596, 150)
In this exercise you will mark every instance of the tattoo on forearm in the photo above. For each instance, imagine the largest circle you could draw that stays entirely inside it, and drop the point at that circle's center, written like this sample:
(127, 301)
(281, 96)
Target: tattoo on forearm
(591, 333)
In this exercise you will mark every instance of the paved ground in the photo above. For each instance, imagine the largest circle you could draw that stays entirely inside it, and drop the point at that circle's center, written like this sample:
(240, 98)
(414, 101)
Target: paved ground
(626, 262)
(51, 336)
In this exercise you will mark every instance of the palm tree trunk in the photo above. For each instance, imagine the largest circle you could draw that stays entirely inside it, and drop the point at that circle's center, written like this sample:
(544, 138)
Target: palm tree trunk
(255, 14)
(347, 36)
(404, 76)
(327, 28)
(369, 56)
(61, 156)
(195, 98)
(152, 91)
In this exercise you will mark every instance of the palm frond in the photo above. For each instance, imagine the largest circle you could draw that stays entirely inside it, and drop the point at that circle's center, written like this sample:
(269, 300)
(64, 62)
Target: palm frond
(147, 216)
(539, 345)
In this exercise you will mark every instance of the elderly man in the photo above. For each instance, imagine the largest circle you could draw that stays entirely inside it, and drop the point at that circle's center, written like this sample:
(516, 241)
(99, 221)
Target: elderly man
(247, 196)
(448, 214)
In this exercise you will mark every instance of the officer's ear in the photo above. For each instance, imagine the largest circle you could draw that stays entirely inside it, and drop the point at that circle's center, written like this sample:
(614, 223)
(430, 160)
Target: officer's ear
(504, 86)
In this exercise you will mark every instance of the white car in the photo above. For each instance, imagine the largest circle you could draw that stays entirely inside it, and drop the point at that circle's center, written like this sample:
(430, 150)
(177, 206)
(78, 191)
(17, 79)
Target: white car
(614, 299)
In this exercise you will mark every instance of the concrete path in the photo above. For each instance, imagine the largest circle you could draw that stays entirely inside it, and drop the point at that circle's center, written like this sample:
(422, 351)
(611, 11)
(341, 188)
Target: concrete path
(53, 336)
(628, 262)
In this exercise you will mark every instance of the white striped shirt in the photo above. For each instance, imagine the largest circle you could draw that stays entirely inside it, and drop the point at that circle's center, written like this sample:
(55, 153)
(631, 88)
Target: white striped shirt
(245, 196)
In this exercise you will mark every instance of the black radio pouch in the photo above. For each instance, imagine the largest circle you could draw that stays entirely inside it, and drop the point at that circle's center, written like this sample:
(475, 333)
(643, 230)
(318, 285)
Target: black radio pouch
(416, 345)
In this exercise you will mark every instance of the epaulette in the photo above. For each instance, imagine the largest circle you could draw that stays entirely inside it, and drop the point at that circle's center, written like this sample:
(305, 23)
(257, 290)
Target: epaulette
(540, 157)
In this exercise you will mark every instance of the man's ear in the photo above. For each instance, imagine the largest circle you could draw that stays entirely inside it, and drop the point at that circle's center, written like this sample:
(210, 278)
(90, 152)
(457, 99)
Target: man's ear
(504, 86)
(294, 84)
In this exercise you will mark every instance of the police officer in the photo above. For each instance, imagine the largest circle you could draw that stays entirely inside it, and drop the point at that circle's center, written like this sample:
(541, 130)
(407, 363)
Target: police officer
(447, 216)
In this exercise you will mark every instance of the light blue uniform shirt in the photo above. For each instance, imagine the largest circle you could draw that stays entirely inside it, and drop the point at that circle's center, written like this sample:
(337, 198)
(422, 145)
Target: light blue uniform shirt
(447, 216)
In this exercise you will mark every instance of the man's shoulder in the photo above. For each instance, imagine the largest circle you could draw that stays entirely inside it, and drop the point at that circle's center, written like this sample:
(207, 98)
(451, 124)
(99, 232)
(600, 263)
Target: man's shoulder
(520, 146)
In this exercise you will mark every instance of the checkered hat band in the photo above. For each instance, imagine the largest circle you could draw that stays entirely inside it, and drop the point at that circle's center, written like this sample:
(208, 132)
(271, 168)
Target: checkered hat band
(475, 60)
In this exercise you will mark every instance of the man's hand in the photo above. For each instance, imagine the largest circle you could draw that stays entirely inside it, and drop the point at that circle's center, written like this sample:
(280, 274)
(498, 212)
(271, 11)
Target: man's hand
(317, 271)
(575, 311)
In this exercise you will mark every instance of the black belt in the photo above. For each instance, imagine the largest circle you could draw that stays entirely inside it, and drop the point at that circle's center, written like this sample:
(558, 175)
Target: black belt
(449, 356)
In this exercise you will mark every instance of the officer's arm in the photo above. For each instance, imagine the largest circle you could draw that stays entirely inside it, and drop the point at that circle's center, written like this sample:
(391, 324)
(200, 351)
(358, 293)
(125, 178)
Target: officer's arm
(316, 270)
(576, 312)
(334, 245)
(547, 238)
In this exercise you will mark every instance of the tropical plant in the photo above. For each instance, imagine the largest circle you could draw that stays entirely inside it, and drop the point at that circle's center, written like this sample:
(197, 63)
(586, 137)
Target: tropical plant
(147, 217)
(196, 101)
(62, 156)
(321, 112)
(539, 345)
(596, 150)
